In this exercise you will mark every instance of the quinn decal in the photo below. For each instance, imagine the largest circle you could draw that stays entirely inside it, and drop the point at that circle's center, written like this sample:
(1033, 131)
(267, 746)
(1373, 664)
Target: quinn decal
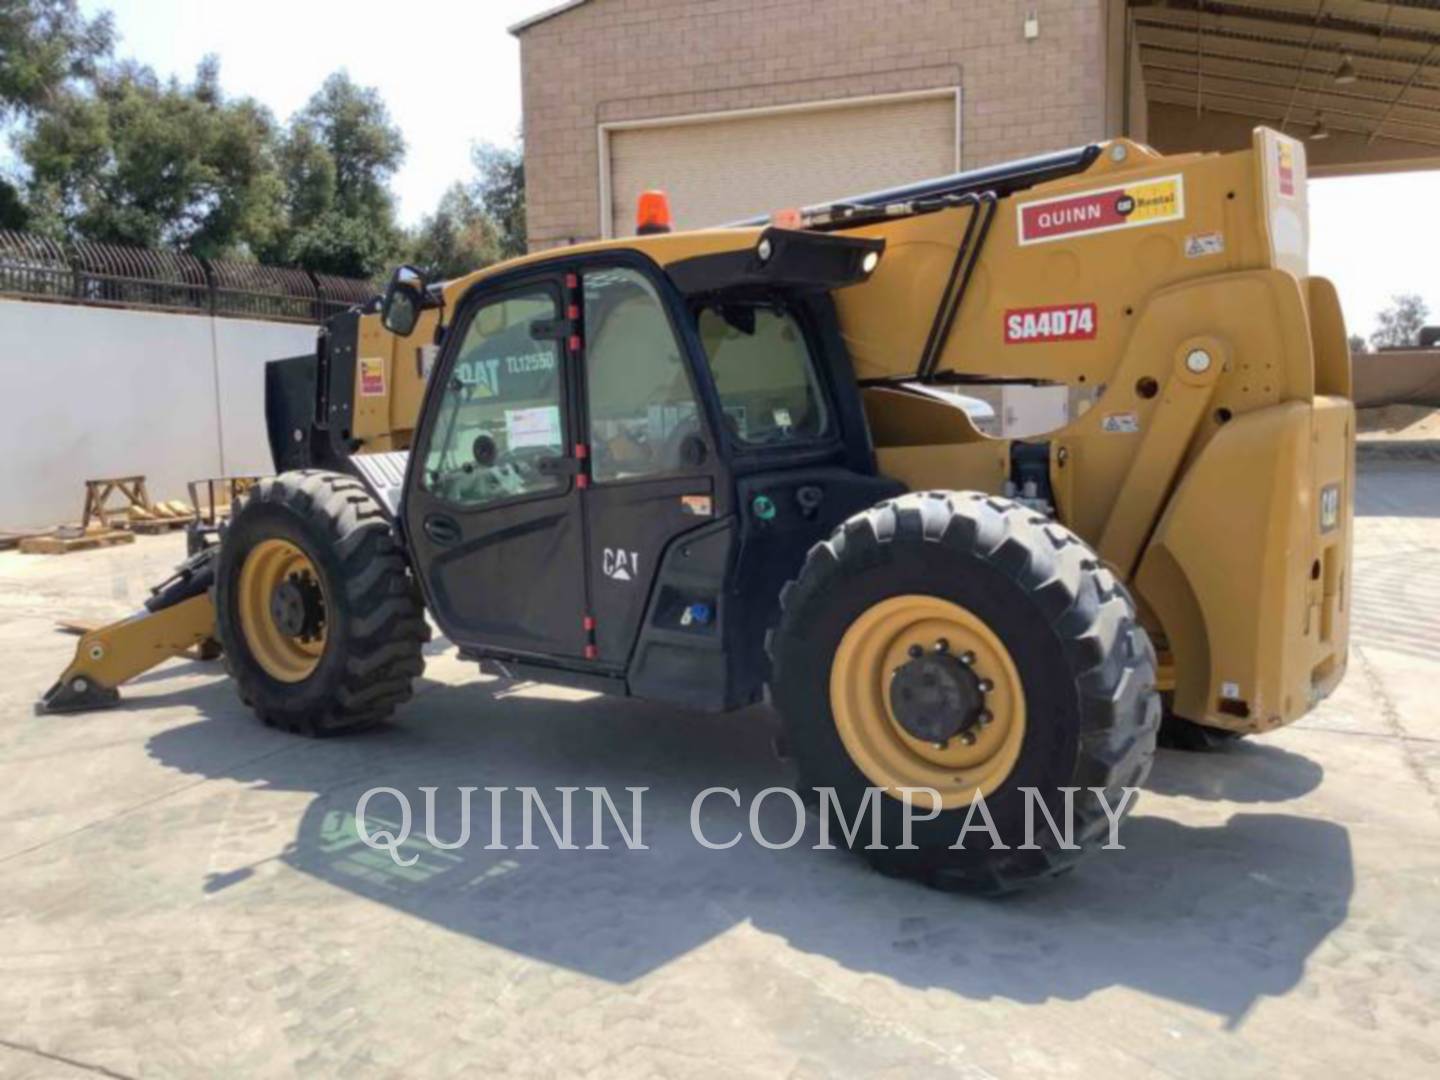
(1128, 206)
(372, 376)
(1062, 322)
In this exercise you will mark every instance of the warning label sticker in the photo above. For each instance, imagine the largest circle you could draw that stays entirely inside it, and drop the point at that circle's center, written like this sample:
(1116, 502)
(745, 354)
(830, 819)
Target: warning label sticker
(1285, 164)
(1060, 322)
(1120, 423)
(1205, 243)
(372, 376)
(1145, 202)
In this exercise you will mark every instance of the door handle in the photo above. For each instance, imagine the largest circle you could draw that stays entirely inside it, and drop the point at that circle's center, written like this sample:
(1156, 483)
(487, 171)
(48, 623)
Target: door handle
(557, 466)
(442, 530)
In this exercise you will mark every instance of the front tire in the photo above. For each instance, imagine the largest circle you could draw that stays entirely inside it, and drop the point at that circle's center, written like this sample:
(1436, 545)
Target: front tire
(997, 618)
(321, 623)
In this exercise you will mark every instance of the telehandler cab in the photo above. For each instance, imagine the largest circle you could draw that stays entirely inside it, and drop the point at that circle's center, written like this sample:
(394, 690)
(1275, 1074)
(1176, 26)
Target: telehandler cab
(691, 467)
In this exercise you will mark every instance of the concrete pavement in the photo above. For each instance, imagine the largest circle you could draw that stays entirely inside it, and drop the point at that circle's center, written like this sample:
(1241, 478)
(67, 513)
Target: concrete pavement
(182, 891)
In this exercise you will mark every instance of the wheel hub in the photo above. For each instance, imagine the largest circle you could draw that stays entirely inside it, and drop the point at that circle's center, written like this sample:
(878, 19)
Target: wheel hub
(297, 607)
(962, 726)
(936, 695)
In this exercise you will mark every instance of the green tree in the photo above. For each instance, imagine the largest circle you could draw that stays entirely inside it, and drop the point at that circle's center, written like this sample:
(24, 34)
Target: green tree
(336, 161)
(1398, 326)
(1357, 344)
(45, 46)
(500, 190)
(14, 214)
(478, 221)
(459, 237)
(153, 163)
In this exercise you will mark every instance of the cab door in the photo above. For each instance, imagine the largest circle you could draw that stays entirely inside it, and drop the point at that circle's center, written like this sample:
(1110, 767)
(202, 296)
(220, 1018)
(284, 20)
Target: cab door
(492, 509)
(654, 475)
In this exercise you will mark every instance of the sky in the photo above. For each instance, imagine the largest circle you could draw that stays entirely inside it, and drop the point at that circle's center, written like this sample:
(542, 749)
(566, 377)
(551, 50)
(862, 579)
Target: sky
(450, 74)
(448, 71)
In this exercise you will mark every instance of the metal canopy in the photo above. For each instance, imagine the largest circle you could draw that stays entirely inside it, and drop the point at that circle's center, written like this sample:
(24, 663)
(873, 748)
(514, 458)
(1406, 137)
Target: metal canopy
(1289, 64)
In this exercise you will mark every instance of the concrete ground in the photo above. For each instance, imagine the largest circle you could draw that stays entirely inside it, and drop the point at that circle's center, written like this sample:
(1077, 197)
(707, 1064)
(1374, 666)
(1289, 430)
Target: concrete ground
(182, 891)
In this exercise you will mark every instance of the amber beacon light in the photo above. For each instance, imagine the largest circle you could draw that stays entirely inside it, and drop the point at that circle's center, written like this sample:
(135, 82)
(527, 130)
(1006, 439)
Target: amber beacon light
(652, 213)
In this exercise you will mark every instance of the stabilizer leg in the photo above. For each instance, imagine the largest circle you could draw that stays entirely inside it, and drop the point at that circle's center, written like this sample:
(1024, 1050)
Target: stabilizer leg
(107, 657)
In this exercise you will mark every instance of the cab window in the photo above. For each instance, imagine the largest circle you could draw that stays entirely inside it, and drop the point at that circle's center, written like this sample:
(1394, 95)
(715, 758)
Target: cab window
(641, 404)
(500, 413)
(760, 360)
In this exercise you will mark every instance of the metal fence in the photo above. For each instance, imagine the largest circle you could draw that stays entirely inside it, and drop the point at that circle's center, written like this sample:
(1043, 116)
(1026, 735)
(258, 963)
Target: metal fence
(114, 275)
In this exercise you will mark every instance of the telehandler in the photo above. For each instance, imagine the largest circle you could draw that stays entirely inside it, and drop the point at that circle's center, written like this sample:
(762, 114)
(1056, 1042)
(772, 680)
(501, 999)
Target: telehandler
(702, 467)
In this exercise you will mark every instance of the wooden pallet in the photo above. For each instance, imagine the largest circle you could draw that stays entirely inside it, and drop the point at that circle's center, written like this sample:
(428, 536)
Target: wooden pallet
(156, 526)
(57, 544)
(10, 540)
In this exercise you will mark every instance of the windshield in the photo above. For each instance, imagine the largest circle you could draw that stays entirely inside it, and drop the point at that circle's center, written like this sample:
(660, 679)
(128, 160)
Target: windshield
(760, 361)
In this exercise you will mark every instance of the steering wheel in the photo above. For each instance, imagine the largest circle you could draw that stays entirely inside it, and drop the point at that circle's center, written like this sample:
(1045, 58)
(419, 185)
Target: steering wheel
(506, 472)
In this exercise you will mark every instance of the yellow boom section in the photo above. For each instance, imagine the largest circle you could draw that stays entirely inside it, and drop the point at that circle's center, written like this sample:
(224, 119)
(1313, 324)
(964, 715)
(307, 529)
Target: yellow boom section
(1214, 471)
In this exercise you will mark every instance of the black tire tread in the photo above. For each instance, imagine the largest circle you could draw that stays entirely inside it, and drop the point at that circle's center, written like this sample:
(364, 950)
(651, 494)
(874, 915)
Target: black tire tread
(387, 630)
(1111, 660)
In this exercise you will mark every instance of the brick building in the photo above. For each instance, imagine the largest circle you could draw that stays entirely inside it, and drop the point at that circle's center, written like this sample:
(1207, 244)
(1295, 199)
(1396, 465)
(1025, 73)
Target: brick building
(743, 106)
(738, 107)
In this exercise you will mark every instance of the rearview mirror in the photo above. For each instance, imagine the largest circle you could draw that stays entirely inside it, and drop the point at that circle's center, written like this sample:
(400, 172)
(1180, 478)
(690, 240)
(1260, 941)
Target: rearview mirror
(404, 300)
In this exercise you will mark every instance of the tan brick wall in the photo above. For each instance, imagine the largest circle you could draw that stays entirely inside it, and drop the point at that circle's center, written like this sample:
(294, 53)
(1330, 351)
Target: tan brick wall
(611, 60)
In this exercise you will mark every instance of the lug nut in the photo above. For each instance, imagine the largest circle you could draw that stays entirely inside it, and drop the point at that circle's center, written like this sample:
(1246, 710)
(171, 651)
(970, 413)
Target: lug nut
(915, 652)
(942, 744)
(967, 658)
(942, 645)
(985, 717)
(969, 738)
(986, 686)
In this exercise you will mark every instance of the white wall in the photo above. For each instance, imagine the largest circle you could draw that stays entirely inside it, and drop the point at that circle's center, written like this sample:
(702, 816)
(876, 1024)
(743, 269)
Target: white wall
(241, 347)
(92, 392)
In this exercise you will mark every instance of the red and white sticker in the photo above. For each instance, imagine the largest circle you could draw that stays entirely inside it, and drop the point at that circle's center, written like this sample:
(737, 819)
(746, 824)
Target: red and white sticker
(1125, 206)
(372, 376)
(1285, 167)
(1060, 322)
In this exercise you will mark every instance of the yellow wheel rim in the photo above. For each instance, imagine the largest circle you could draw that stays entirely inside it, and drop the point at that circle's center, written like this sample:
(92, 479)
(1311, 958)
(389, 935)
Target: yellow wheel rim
(286, 648)
(874, 648)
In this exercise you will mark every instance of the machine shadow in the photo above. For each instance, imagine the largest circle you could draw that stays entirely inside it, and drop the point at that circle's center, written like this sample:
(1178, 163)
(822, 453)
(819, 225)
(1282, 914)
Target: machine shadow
(1215, 917)
(1250, 771)
(1409, 489)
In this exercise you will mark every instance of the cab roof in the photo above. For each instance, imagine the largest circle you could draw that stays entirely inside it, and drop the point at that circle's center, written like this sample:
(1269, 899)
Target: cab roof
(663, 248)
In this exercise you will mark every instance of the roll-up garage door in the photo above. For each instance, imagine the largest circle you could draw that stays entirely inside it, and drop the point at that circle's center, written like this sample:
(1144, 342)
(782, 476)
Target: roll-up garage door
(744, 164)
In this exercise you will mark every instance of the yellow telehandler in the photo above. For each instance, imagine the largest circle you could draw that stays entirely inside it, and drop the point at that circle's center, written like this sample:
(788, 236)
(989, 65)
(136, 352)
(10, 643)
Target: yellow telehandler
(702, 467)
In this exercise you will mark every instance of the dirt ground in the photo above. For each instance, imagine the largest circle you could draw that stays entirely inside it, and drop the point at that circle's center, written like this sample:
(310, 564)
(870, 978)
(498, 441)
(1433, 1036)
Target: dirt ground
(1398, 422)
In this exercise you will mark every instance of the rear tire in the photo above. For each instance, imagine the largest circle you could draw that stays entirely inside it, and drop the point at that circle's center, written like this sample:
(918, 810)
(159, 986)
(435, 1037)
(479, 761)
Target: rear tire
(372, 619)
(1089, 709)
